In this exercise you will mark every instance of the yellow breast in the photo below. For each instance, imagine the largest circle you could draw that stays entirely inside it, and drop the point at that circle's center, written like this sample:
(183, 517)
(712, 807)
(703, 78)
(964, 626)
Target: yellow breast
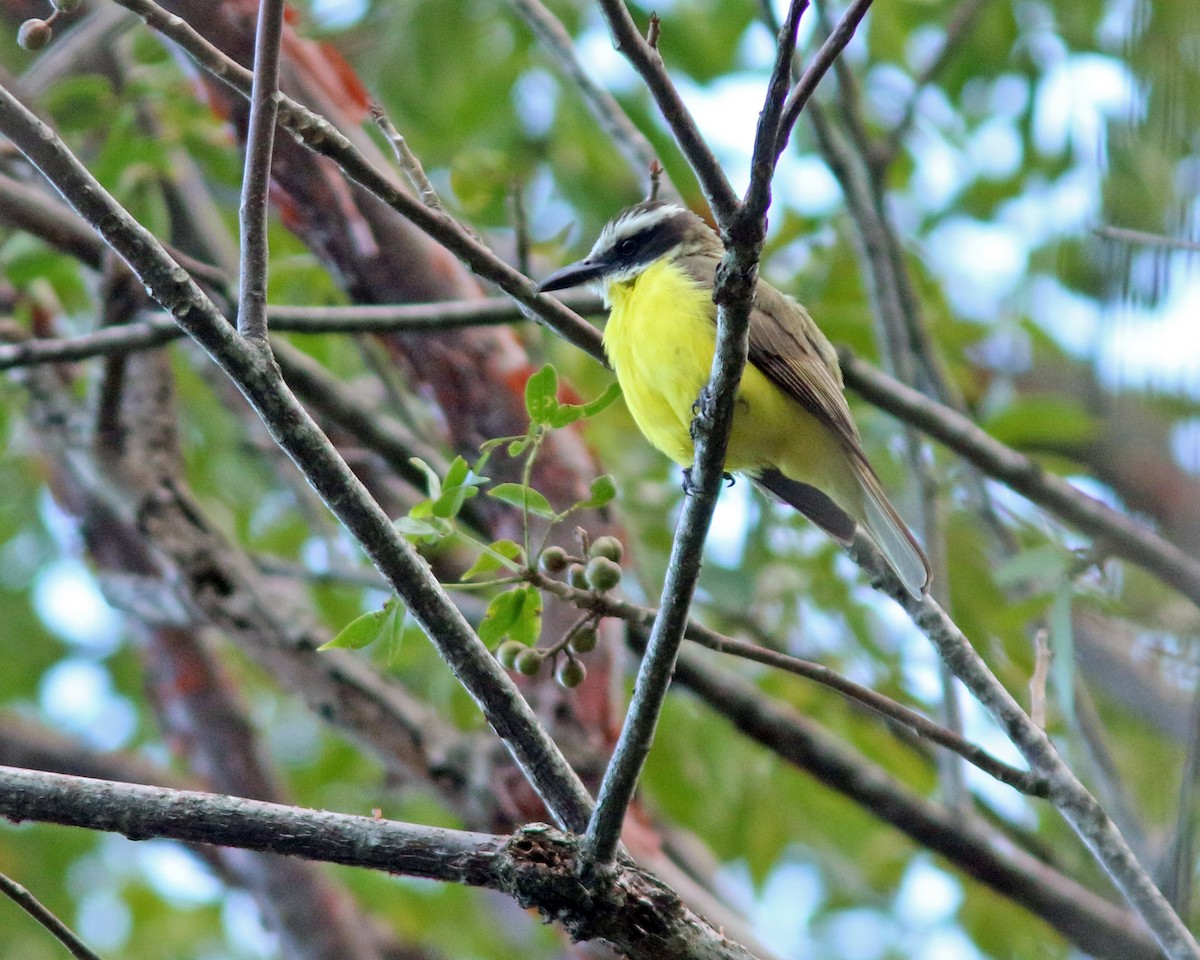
(660, 340)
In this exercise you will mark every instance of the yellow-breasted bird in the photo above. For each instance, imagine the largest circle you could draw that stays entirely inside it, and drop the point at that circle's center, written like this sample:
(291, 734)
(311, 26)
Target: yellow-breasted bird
(793, 433)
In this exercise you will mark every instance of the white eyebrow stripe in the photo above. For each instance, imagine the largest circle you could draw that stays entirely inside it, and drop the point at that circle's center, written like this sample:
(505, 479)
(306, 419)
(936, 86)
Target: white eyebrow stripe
(629, 226)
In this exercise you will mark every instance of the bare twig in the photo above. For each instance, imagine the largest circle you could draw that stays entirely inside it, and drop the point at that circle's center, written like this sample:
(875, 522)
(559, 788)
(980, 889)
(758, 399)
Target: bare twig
(614, 123)
(834, 44)
(647, 61)
(1041, 675)
(36, 909)
(256, 179)
(1142, 238)
(407, 159)
(1098, 927)
(604, 605)
(1077, 806)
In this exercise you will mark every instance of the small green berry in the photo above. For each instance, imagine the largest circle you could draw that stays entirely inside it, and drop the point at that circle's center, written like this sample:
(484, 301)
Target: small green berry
(554, 560)
(577, 576)
(66, 6)
(602, 573)
(508, 652)
(34, 34)
(570, 673)
(584, 639)
(609, 547)
(528, 662)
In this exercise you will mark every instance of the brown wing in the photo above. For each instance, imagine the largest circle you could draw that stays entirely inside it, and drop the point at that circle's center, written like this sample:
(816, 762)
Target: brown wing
(789, 348)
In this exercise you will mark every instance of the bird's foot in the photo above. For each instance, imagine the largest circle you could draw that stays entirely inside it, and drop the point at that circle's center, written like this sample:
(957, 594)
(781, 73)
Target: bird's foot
(689, 485)
(702, 409)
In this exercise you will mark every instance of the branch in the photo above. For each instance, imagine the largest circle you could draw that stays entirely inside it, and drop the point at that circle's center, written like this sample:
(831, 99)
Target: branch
(325, 139)
(630, 142)
(34, 907)
(1120, 535)
(256, 375)
(647, 61)
(608, 606)
(1145, 239)
(536, 866)
(1098, 927)
(256, 179)
(744, 231)
(1077, 806)
(834, 44)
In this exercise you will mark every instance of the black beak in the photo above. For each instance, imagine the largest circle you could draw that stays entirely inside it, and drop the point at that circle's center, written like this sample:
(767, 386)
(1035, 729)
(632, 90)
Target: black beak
(573, 275)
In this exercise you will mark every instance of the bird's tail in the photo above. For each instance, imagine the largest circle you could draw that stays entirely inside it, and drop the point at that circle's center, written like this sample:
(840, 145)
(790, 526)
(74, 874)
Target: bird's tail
(891, 535)
(879, 518)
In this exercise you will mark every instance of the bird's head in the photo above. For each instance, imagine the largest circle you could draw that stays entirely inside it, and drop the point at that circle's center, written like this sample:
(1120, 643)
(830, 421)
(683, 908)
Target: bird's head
(635, 239)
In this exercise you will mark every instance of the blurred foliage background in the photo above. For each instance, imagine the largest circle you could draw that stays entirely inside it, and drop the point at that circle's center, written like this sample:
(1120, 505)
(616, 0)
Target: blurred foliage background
(1044, 124)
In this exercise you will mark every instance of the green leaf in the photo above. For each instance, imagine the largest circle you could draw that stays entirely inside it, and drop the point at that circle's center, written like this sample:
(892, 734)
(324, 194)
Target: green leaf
(414, 527)
(365, 630)
(1043, 421)
(459, 486)
(516, 613)
(604, 488)
(432, 480)
(501, 614)
(541, 395)
(517, 447)
(519, 496)
(570, 412)
(503, 554)
(527, 627)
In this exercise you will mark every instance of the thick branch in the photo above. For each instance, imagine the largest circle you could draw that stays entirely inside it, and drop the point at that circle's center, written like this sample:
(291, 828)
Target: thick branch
(537, 866)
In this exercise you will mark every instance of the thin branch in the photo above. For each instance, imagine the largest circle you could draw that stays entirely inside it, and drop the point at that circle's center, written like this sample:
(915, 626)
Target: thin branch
(1142, 238)
(630, 142)
(607, 606)
(407, 159)
(1117, 534)
(1100, 928)
(1077, 806)
(834, 44)
(962, 21)
(325, 139)
(537, 866)
(34, 907)
(648, 62)
(744, 231)
(256, 178)
(249, 365)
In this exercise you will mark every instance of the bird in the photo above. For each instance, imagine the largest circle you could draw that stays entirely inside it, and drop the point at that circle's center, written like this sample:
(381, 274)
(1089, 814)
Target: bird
(655, 264)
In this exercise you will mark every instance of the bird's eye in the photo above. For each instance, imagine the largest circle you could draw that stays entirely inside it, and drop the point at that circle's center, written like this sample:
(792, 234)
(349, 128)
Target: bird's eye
(626, 247)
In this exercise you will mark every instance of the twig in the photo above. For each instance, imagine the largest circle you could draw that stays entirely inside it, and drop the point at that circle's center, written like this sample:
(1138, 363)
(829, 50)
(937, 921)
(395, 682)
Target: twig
(1077, 806)
(744, 230)
(647, 61)
(603, 605)
(256, 178)
(1145, 239)
(961, 22)
(537, 866)
(1098, 927)
(34, 907)
(1041, 674)
(324, 138)
(407, 159)
(630, 142)
(256, 375)
(834, 44)
(1118, 534)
